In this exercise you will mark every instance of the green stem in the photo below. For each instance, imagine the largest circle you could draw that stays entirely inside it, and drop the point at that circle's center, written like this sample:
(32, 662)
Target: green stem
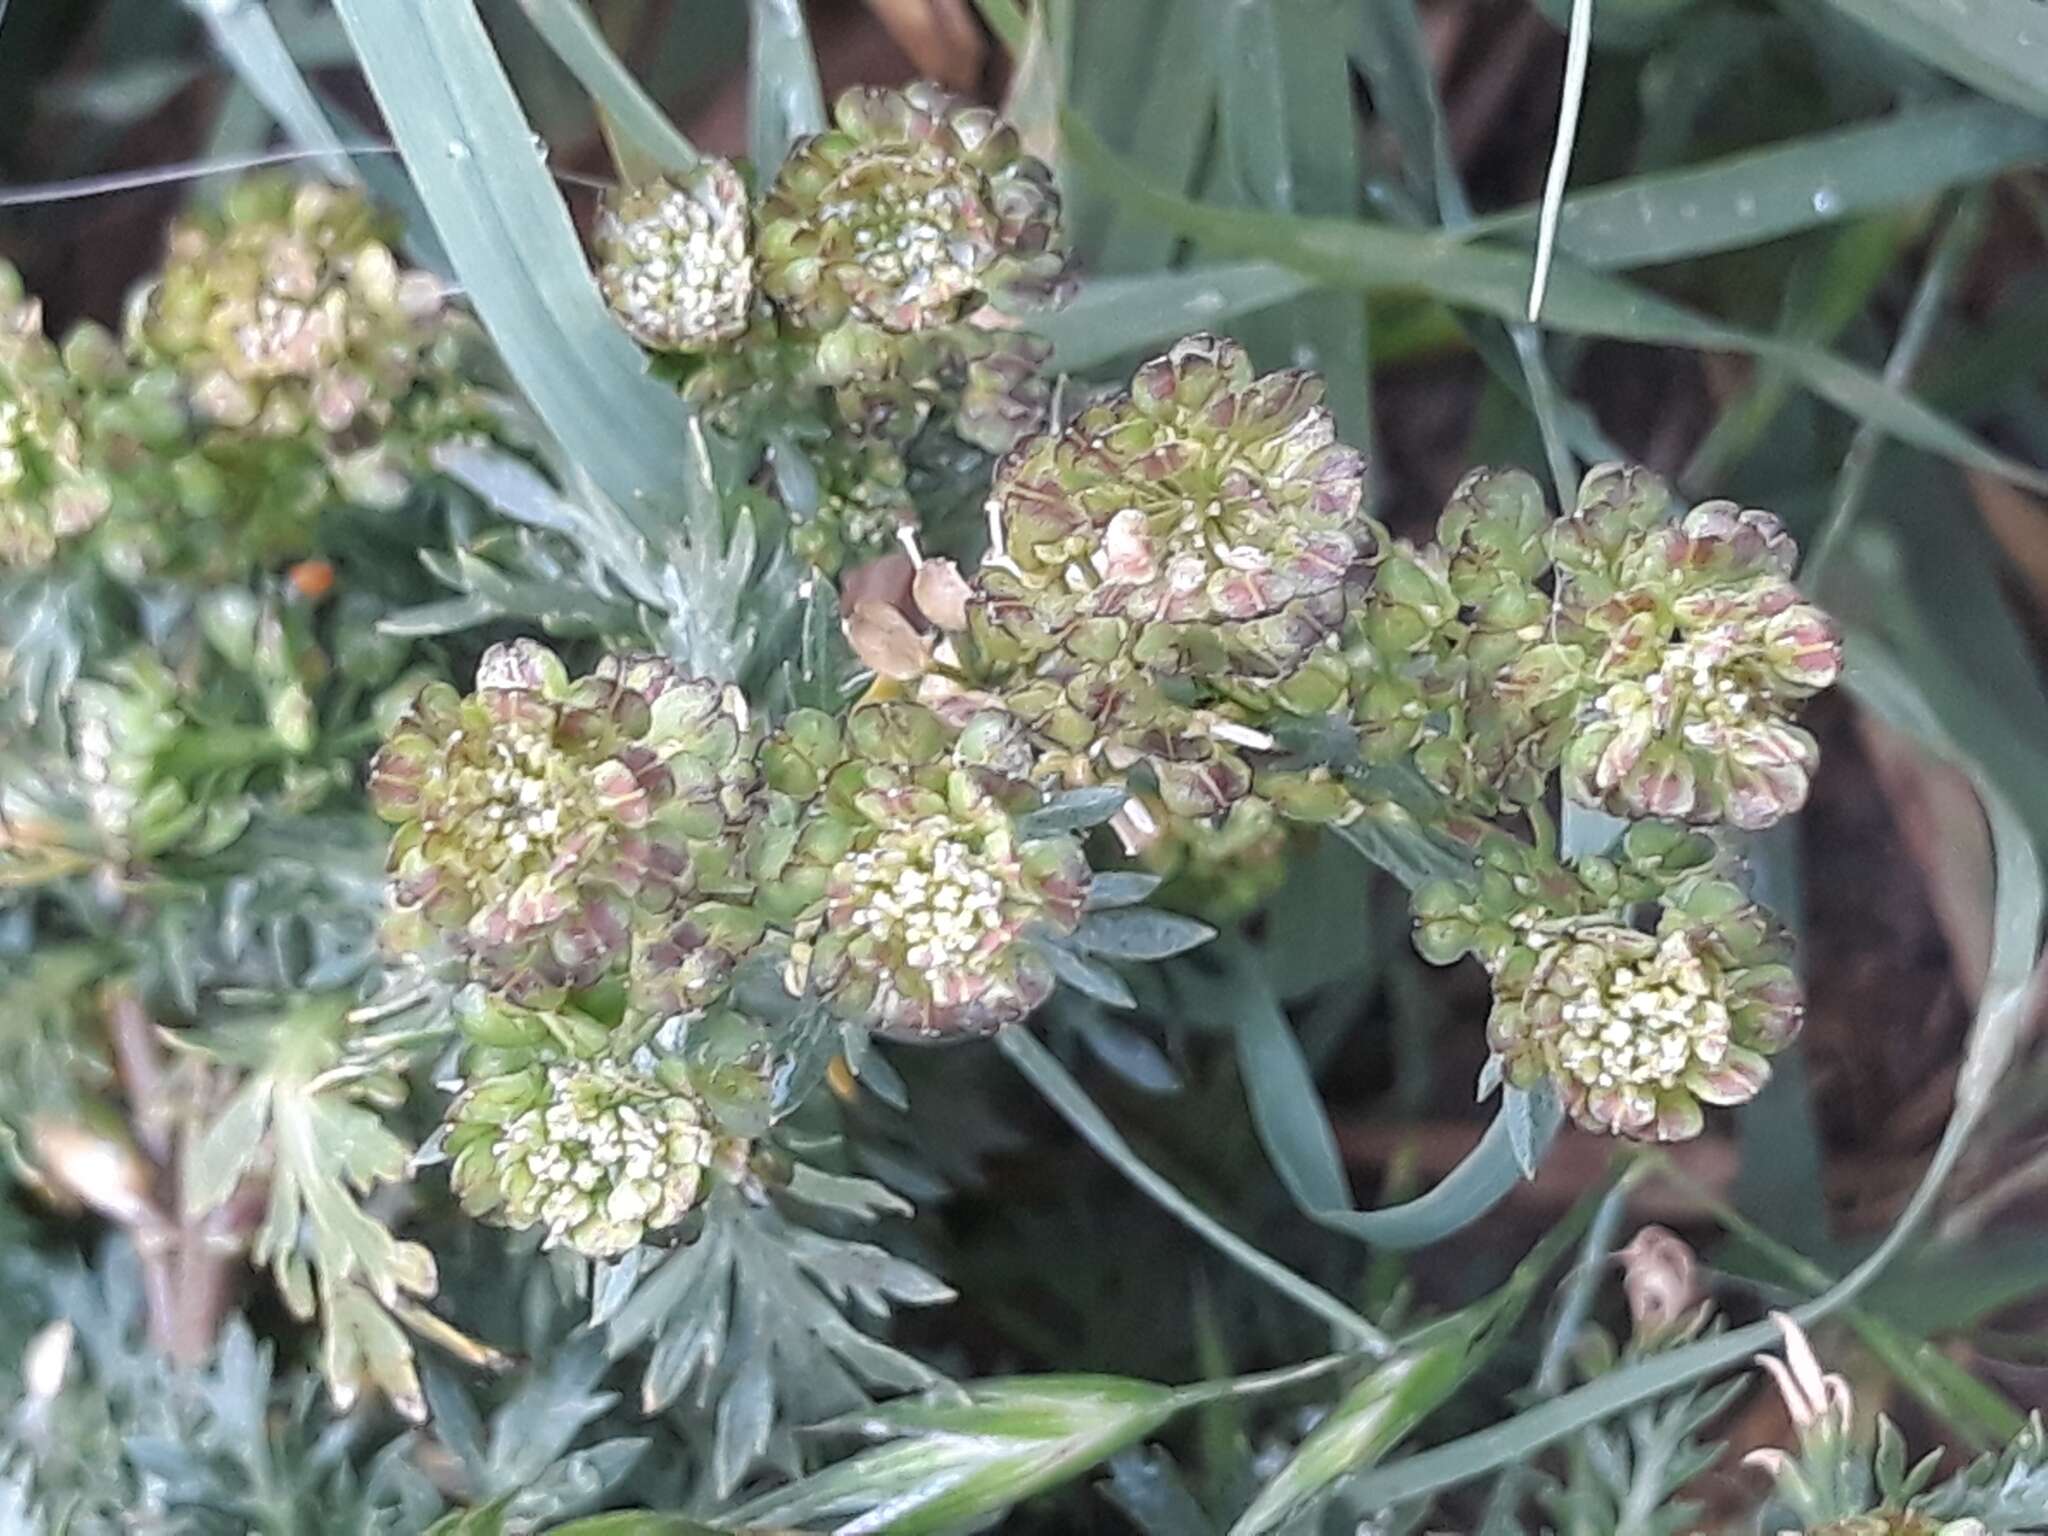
(1260, 1382)
(1045, 1073)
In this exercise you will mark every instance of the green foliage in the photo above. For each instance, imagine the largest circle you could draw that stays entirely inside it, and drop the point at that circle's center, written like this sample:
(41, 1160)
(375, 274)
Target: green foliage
(637, 963)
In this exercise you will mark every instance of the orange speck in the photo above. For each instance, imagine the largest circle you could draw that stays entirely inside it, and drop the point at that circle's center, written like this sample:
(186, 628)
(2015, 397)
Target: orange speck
(311, 579)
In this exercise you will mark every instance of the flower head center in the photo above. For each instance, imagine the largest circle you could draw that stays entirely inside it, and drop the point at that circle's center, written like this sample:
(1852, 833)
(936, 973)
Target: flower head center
(606, 1154)
(923, 237)
(682, 270)
(927, 892)
(1646, 1023)
(513, 810)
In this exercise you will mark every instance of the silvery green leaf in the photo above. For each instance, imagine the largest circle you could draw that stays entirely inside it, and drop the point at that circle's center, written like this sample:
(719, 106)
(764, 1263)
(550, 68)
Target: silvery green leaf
(1120, 888)
(1145, 933)
(757, 1305)
(1071, 810)
(1087, 977)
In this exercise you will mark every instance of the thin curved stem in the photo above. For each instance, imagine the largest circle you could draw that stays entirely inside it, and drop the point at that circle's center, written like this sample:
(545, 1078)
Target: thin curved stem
(1045, 1073)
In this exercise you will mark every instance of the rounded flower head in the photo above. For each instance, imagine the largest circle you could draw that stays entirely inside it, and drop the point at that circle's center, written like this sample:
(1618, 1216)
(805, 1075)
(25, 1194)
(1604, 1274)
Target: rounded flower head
(288, 318)
(909, 213)
(927, 921)
(1638, 1030)
(536, 817)
(598, 1153)
(1699, 652)
(889, 846)
(48, 492)
(674, 261)
(1203, 495)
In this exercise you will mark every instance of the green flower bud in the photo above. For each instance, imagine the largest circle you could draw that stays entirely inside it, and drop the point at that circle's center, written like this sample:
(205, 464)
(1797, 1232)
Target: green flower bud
(853, 507)
(598, 1153)
(1220, 872)
(1494, 528)
(912, 211)
(673, 258)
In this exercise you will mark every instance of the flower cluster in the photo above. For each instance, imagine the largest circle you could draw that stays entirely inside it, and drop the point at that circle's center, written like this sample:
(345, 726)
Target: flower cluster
(674, 259)
(538, 820)
(857, 292)
(1184, 596)
(48, 493)
(931, 908)
(1661, 672)
(552, 834)
(601, 859)
(1166, 576)
(1697, 650)
(912, 209)
(1638, 1030)
(281, 362)
(595, 1153)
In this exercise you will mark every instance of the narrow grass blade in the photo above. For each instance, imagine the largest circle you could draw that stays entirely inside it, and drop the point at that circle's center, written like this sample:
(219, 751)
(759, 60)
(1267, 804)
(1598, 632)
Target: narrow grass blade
(1999, 47)
(1766, 194)
(1111, 316)
(248, 39)
(785, 101)
(1045, 1073)
(1391, 54)
(1386, 1405)
(1173, 127)
(1378, 258)
(487, 189)
(634, 116)
(1295, 1130)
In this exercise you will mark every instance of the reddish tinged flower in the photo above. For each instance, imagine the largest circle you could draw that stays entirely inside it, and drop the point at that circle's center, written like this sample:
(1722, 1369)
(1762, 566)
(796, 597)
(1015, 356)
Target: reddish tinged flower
(1638, 1030)
(1204, 494)
(929, 918)
(536, 817)
(1699, 651)
(911, 211)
